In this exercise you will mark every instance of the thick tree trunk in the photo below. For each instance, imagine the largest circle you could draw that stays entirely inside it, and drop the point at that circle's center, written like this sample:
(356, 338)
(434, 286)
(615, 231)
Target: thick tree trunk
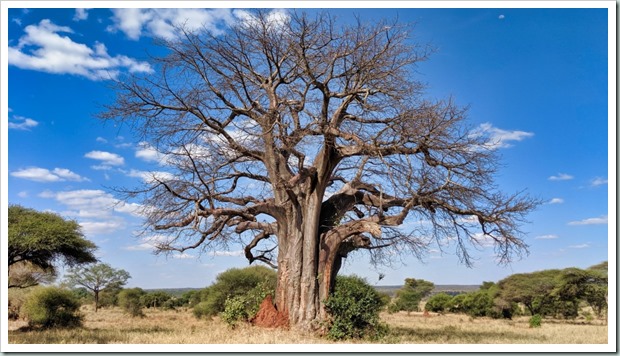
(305, 273)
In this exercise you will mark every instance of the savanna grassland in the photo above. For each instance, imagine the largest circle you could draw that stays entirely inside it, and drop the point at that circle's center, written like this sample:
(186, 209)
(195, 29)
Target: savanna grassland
(112, 326)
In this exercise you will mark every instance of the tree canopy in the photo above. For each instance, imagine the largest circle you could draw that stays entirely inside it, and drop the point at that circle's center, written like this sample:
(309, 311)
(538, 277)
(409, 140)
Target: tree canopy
(38, 241)
(304, 139)
(97, 277)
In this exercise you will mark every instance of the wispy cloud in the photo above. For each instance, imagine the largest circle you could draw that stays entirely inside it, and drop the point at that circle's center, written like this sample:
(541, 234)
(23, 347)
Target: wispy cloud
(43, 48)
(183, 256)
(96, 211)
(22, 123)
(499, 138)
(561, 176)
(226, 253)
(38, 174)
(80, 14)
(591, 221)
(579, 246)
(547, 237)
(150, 176)
(598, 181)
(556, 201)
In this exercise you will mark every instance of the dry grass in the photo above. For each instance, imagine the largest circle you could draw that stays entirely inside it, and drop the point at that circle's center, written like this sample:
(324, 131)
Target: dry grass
(111, 326)
(461, 329)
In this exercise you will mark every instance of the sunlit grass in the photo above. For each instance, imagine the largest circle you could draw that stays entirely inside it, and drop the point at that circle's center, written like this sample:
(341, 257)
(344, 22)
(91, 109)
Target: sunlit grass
(112, 326)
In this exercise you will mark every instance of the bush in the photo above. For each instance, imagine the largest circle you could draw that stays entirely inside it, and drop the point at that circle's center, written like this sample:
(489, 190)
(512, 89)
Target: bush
(476, 304)
(535, 321)
(231, 283)
(245, 307)
(438, 303)
(52, 307)
(203, 310)
(129, 301)
(355, 307)
(408, 298)
(155, 299)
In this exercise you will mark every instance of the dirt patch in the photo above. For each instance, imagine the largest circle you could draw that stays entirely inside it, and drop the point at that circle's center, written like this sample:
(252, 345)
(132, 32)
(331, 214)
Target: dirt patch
(269, 317)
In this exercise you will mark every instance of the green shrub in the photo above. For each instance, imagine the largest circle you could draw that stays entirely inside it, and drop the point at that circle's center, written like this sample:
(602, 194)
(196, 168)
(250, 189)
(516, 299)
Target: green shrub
(408, 298)
(244, 307)
(52, 307)
(231, 283)
(129, 300)
(476, 304)
(535, 321)
(155, 299)
(354, 307)
(438, 303)
(203, 310)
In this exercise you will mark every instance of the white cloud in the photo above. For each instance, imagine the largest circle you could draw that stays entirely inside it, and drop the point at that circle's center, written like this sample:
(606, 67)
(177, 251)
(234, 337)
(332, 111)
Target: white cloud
(501, 17)
(591, 221)
(547, 237)
(276, 18)
(226, 253)
(499, 138)
(149, 153)
(556, 201)
(183, 256)
(95, 210)
(38, 174)
(148, 243)
(42, 48)
(135, 23)
(107, 159)
(23, 194)
(101, 227)
(561, 176)
(80, 14)
(150, 176)
(579, 246)
(22, 123)
(101, 140)
(598, 181)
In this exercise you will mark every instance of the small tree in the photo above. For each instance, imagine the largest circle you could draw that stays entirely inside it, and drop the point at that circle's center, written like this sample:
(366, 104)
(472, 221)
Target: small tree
(408, 298)
(534, 290)
(438, 303)
(37, 241)
(96, 278)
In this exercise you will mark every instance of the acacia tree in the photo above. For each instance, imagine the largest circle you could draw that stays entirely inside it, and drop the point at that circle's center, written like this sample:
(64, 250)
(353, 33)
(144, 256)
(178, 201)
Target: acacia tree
(304, 141)
(96, 278)
(38, 241)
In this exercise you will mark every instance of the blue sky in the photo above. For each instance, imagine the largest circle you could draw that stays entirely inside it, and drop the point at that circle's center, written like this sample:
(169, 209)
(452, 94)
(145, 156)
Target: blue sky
(535, 79)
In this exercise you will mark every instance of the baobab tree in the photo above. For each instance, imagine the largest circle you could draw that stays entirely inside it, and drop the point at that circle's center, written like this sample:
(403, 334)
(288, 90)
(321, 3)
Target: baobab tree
(306, 140)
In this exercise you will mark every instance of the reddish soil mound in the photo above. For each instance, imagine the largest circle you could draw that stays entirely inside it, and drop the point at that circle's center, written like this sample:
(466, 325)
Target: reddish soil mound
(269, 317)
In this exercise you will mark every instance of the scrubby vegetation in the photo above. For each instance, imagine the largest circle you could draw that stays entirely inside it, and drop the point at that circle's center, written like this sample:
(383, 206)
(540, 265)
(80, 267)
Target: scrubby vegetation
(232, 283)
(52, 307)
(354, 307)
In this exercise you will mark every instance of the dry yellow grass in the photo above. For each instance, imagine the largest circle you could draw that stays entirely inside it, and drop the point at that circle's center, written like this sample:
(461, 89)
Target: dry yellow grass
(461, 329)
(111, 326)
